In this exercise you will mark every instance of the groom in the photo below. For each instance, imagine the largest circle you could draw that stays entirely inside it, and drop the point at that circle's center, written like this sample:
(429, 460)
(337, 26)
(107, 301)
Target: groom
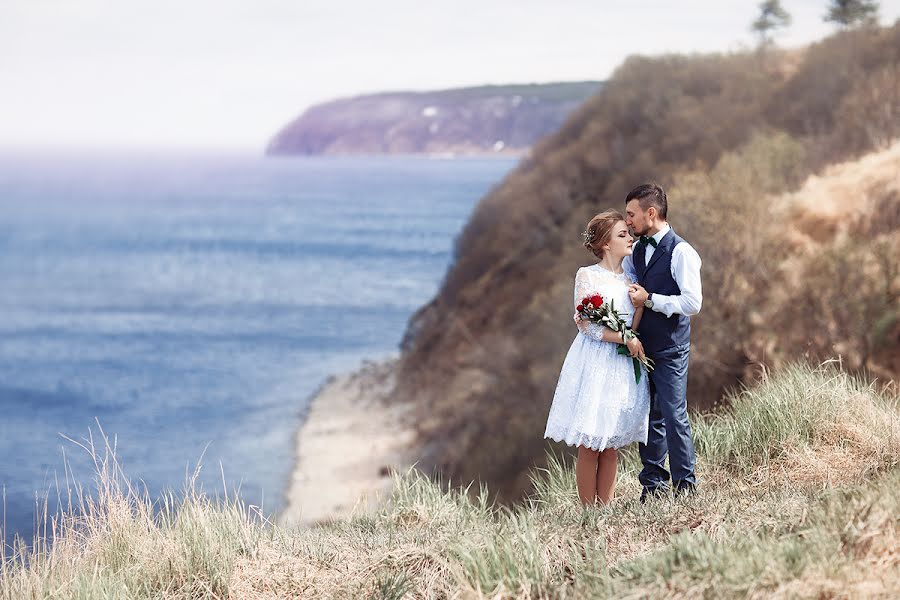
(667, 271)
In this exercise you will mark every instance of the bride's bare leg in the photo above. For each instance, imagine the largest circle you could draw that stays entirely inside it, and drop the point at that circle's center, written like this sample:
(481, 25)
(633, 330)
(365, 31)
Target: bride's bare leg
(586, 474)
(607, 467)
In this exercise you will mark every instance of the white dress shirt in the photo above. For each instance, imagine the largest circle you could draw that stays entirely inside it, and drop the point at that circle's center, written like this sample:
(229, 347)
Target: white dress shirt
(686, 273)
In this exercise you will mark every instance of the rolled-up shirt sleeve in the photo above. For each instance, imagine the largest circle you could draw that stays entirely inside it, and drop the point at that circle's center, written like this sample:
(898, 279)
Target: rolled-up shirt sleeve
(686, 272)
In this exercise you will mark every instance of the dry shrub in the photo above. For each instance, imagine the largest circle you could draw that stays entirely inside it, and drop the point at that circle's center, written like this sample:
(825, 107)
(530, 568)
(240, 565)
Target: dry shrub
(849, 291)
(728, 215)
(839, 292)
(853, 70)
(870, 112)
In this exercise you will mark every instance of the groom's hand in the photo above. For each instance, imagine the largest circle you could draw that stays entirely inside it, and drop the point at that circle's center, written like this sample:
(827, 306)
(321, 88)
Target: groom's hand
(637, 294)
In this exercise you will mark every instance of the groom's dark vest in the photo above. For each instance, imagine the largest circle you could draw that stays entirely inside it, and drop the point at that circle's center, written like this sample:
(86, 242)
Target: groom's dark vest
(657, 331)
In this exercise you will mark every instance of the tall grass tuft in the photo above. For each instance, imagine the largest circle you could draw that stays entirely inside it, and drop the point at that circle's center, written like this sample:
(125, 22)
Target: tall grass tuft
(812, 422)
(119, 542)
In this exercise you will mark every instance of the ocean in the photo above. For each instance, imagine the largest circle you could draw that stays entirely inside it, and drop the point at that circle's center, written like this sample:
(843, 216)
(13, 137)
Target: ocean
(190, 306)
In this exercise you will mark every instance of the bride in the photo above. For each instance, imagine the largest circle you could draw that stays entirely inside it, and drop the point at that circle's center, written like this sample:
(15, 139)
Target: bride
(598, 406)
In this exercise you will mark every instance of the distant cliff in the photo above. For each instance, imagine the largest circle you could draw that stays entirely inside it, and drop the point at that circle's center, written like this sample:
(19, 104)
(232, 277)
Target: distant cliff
(479, 120)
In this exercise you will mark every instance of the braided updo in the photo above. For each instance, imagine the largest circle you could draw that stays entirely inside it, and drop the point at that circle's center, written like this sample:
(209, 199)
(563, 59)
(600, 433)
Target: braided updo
(599, 230)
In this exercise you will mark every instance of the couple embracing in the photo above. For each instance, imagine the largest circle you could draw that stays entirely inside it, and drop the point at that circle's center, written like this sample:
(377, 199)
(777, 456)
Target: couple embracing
(606, 398)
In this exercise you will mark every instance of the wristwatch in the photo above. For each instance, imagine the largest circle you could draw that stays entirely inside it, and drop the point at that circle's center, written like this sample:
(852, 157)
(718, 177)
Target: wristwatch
(648, 303)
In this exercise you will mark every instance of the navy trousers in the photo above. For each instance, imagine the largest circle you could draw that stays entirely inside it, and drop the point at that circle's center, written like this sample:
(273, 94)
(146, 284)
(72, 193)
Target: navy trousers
(669, 431)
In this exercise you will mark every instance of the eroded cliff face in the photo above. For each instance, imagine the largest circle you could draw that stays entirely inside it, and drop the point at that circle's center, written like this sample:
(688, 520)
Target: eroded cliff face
(726, 135)
(483, 120)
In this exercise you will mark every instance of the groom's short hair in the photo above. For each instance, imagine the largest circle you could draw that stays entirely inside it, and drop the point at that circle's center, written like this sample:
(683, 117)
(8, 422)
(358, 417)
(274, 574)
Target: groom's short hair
(650, 194)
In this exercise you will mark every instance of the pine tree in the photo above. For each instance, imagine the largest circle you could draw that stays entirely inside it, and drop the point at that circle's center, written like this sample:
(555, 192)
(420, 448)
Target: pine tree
(847, 13)
(772, 16)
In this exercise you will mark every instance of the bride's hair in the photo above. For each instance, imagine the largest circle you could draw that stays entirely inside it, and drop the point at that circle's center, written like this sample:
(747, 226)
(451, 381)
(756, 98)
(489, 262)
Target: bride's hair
(599, 230)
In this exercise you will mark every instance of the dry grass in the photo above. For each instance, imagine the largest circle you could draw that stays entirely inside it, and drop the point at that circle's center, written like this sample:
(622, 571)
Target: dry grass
(800, 497)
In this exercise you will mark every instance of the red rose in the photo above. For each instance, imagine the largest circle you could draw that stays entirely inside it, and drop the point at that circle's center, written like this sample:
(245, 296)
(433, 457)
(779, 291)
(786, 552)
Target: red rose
(586, 300)
(580, 308)
(597, 300)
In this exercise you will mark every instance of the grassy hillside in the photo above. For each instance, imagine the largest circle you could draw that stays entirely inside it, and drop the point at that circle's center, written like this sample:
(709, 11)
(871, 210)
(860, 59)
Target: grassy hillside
(799, 497)
(733, 138)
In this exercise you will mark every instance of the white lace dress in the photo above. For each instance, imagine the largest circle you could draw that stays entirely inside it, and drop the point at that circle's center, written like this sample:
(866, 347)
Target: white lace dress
(597, 403)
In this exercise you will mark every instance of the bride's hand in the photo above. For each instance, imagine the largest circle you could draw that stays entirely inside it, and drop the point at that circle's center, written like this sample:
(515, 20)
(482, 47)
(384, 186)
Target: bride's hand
(636, 348)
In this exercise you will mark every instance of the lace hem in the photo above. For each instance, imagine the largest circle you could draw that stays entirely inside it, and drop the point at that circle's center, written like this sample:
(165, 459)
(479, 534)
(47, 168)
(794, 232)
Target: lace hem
(597, 443)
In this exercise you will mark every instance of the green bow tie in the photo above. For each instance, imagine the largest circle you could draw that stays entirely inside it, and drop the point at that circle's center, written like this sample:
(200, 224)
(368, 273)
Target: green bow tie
(649, 240)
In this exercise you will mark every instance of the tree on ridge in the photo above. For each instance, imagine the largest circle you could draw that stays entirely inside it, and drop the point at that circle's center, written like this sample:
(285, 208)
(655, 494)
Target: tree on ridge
(847, 13)
(772, 16)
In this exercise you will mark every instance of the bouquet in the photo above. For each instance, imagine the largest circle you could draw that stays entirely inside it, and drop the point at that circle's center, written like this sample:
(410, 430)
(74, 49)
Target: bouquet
(595, 308)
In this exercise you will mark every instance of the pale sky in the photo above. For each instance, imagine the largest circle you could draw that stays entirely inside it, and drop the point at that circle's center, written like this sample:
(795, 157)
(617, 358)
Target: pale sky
(228, 74)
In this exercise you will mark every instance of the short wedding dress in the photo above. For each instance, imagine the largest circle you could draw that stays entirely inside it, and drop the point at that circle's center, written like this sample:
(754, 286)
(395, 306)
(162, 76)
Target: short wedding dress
(597, 403)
